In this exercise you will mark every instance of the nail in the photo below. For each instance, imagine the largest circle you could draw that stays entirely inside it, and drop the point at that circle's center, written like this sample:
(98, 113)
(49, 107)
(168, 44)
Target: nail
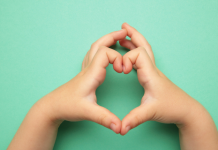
(113, 127)
(127, 128)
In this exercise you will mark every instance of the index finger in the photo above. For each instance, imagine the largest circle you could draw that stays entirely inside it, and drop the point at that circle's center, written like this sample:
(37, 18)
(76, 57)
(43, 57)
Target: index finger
(138, 39)
(107, 40)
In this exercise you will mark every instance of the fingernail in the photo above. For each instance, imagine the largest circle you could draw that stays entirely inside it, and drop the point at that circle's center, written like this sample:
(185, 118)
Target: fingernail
(113, 127)
(123, 68)
(127, 128)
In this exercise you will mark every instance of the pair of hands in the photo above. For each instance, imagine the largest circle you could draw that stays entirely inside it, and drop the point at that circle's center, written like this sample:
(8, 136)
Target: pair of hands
(163, 101)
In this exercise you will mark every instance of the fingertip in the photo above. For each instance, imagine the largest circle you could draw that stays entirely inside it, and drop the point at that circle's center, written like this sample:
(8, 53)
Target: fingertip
(126, 71)
(120, 34)
(117, 69)
(117, 65)
(124, 30)
(116, 126)
(125, 130)
(127, 66)
(122, 132)
(124, 24)
(123, 67)
(125, 123)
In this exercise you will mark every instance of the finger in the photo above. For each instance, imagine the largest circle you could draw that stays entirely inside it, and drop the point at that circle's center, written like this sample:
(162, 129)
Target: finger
(127, 44)
(138, 39)
(136, 117)
(114, 42)
(106, 55)
(139, 58)
(110, 39)
(103, 117)
(146, 71)
(107, 40)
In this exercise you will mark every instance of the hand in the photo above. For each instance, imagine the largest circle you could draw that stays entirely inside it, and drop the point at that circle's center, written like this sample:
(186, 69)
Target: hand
(73, 101)
(163, 101)
(76, 100)
(158, 102)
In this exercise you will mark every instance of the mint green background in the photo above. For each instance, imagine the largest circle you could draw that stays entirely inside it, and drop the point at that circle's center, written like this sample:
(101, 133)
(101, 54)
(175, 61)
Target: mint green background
(42, 45)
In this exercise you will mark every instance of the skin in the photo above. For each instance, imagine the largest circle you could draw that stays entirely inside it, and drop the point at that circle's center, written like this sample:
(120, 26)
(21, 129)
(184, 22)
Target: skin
(163, 101)
(73, 101)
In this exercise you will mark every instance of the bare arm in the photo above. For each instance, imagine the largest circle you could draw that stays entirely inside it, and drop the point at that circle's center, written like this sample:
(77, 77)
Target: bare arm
(37, 131)
(73, 101)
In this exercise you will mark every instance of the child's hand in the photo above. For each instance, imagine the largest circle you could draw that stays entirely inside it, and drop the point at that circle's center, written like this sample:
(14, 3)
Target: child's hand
(76, 100)
(163, 101)
(73, 101)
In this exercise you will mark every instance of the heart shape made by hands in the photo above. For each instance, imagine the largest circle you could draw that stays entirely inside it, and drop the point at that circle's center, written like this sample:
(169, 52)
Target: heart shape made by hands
(137, 45)
(157, 102)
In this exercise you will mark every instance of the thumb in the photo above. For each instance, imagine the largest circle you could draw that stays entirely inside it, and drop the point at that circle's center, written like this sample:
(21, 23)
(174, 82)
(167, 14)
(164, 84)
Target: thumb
(137, 116)
(102, 116)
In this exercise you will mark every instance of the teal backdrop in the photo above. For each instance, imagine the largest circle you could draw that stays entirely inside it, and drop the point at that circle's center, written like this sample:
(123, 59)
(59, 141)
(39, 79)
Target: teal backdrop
(43, 43)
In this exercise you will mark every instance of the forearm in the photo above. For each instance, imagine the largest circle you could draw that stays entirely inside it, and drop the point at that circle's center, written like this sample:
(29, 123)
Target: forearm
(199, 133)
(37, 131)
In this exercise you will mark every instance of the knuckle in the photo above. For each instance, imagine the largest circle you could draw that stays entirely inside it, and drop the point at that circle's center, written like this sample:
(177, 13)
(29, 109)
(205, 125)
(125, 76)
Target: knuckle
(138, 120)
(101, 119)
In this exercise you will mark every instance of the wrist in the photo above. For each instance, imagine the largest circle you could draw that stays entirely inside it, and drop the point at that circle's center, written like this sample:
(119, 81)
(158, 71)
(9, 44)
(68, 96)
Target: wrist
(43, 109)
(198, 131)
(193, 116)
(196, 120)
(37, 131)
